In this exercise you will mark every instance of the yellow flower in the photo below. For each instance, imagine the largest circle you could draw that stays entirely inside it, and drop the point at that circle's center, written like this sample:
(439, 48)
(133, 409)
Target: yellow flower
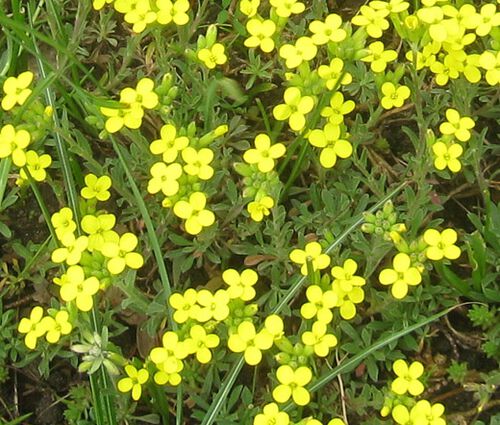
(332, 73)
(96, 187)
(319, 339)
(320, 304)
(373, 20)
(347, 288)
(378, 57)
(134, 381)
(407, 378)
(33, 327)
(240, 285)
(393, 97)
(328, 31)
(303, 50)
(185, 305)
(421, 412)
(140, 16)
(194, 212)
(246, 340)
(400, 276)
(292, 384)
(99, 4)
(164, 178)
(264, 153)
(36, 166)
(212, 306)
(63, 222)
(143, 96)
(285, 8)
(337, 109)
(99, 228)
(489, 18)
(57, 326)
(491, 62)
(393, 6)
(249, 7)
(312, 254)
(447, 156)
(169, 11)
(197, 162)
(271, 415)
(119, 252)
(213, 56)
(169, 145)
(16, 90)
(457, 125)
(119, 117)
(259, 209)
(261, 33)
(295, 108)
(168, 358)
(12, 143)
(200, 343)
(71, 251)
(332, 145)
(77, 288)
(441, 245)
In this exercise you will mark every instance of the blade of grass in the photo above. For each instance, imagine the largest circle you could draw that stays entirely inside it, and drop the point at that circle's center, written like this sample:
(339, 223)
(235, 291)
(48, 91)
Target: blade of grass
(231, 376)
(5, 164)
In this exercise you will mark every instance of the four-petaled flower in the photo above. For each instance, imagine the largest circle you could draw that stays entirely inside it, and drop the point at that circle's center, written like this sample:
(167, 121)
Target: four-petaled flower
(292, 384)
(246, 340)
(260, 208)
(285, 8)
(457, 125)
(213, 56)
(13, 142)
(199, 343)
(295, 108)
(400, 276)
(197, 162)
(134, 381)
(16, 90)
(261, 33)
(378, 57)
(33, 327)
(169, 145)
(332, 145)
(311, 254)
(264, 153)
(142, 96)
(373, 20)
(294, 54)
(319, 339)
(36, 165)
(441, 245)
(240, 284)
(447, 156)
(393, 96)
(320, 304)
(56, 326)
(407, 378)
(194, 212)
(271, 416)
(327, 31)
(119, 252)
(164, 178)
(96, 187)
(76, 287)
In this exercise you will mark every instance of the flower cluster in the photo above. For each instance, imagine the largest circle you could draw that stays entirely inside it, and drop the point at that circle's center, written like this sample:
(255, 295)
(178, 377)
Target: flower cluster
(15, 141)
(92, 259)
(261, 181)
(448, 148)
(143, 13)
(133, 102)
(180, 174)
(400, 401)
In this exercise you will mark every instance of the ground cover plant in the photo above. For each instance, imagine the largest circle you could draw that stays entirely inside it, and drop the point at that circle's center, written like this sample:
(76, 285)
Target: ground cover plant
(249, 212)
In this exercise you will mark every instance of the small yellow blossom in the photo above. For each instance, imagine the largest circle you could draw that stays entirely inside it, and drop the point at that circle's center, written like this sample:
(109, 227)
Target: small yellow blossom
(99, 229)
(197, 162)
(33, 327)
(200, 343)
(261, 208)
(321, 341)
(447, 156)
(271, 415)
(16, 90)
(71, 250)
(164, 178)
(119, 117)
(96, 187)
(169, 145)
(36, 165)
(456, 125)
(246, 340)
(194, 212)
(249, 7)
(373, 20)
(264, 153)
(295, 109)
(337, 109)
(285, 8)
(119, 252)
(172, 11)
(294, 54)
(394, 97)
(12, 143)
(311, 253)
(212, 306)
(334, 74)
(441, 245)
(378, 57)
(261, 33)
(240, 284)
(292, 383)
(407, 378)
(491, 62)
(213, 56)
(319, 305)
(400, 276)
(185, 305)
(63, 222)
(133, 382)
(78, 288)
(332, 145)
(327, 31)
(57, 326)
(143, 96)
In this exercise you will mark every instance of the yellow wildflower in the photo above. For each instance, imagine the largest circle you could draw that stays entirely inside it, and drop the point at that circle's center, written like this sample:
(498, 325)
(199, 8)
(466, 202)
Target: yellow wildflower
(12, 143)
(194, 212)
(16, 90)
(295, 108)
(134, 381)
(213, 56)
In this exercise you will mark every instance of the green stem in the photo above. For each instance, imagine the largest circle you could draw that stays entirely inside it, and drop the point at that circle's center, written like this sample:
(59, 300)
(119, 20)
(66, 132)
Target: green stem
(5, 164)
